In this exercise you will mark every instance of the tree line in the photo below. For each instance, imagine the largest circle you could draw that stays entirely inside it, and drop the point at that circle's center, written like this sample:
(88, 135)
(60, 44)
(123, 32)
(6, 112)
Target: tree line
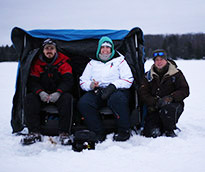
(184, 46)
(8, 53)
(178, 46)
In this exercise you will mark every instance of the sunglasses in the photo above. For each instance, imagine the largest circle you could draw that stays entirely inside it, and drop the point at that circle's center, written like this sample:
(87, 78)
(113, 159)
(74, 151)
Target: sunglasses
(158, 54)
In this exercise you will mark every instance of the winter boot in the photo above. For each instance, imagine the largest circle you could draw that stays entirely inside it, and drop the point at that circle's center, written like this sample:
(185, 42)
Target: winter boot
(31, 138)
(65, 139)
(170, 133)
(155, 132)
(100, 137)
(122, 136)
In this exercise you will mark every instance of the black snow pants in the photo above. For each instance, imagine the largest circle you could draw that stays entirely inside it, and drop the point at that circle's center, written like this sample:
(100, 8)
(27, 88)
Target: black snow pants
(165, 118)
(32, 108)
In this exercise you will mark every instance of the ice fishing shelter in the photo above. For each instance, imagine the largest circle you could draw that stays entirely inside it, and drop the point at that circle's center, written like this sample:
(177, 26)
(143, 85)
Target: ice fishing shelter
(80, 46)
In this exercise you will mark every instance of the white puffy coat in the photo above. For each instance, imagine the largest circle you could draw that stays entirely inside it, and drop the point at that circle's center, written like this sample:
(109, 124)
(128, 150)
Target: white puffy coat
(115, 71)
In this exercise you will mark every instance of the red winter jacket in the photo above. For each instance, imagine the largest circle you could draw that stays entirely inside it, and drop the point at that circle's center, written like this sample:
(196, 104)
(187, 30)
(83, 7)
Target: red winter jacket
(51, 77)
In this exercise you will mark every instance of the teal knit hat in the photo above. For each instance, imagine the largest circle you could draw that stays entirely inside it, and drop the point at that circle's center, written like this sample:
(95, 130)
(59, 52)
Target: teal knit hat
(101, 41)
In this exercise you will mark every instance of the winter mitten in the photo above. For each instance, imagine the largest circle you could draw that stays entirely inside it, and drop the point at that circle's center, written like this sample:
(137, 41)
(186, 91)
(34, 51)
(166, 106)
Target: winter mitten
(164, 101)
(54, 97)
(108, 91)
(44, 96)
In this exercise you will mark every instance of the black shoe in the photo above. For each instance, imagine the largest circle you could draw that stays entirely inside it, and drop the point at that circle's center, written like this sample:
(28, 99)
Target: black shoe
(122, 136)
(170, 133)
(100, 138)
(65, 139)
(155, 132)
(31, 138)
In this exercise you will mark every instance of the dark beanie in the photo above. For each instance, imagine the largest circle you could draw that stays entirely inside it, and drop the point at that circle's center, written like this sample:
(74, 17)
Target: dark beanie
(159, 53)
(48, 41)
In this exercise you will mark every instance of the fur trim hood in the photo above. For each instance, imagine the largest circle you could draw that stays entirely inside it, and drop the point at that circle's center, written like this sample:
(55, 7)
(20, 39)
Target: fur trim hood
(171, 71)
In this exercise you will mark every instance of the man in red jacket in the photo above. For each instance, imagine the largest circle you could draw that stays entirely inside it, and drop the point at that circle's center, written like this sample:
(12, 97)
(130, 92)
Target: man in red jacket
(50, 81)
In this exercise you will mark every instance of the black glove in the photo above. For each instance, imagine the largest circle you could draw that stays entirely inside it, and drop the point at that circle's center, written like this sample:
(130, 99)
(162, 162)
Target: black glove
(151, 109)
(98, 91)
(108, 91)
(164, 101)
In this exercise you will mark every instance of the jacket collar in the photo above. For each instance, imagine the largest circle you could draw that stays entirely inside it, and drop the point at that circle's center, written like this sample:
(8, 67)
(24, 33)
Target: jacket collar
(171, 71)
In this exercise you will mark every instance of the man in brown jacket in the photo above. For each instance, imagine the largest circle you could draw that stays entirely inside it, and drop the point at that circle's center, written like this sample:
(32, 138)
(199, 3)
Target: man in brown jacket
(163, 90)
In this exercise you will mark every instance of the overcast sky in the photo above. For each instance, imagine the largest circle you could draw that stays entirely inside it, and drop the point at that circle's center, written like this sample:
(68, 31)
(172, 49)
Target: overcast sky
(152, 16)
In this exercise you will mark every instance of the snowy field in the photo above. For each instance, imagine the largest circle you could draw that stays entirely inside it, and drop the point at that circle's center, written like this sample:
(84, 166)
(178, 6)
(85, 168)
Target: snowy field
(185, 153)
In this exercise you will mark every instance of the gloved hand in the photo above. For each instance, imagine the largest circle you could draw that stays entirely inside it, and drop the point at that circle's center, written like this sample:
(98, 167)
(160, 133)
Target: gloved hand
(98, 91)
(151, 109)
(44, 96)
(54, 97)
(164, 101)
(108, 91)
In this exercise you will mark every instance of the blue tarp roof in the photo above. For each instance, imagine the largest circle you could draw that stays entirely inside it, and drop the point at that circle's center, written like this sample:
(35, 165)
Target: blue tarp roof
(72, 35)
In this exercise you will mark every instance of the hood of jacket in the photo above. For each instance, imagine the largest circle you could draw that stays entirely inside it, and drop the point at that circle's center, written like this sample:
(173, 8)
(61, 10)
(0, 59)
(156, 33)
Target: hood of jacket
(171, 71)
(101, 41)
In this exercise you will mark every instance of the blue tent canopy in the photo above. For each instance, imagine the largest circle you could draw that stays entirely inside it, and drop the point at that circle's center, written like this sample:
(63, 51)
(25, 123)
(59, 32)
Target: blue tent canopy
(71, 34)
(20, 36)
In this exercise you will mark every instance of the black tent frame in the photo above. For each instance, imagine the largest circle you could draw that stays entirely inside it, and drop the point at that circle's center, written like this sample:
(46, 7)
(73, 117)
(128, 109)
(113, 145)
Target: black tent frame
(80, 52)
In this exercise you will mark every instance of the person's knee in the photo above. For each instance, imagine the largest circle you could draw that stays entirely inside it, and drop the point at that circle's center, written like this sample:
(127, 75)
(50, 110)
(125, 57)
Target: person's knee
(82, 104)
(83, 100)
(118, 98)
(88, 100)
(31, 98)
(32, 103)
(66, 98)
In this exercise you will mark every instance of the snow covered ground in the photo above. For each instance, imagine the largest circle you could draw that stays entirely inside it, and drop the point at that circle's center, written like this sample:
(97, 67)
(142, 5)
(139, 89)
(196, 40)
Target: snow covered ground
(186, 153)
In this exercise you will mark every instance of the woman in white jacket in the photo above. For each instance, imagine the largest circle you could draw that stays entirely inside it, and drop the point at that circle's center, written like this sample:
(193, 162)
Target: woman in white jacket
(106, 81)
